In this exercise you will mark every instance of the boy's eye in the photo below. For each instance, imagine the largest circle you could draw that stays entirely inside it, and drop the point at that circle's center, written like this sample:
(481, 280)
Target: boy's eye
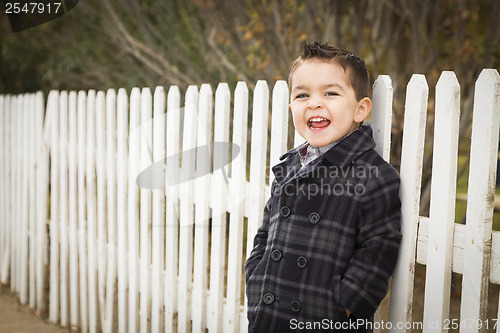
(332, 93)
(301, 96)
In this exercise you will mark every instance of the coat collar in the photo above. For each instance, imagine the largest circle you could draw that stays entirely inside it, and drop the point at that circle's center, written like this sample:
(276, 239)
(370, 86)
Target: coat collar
(347, 149)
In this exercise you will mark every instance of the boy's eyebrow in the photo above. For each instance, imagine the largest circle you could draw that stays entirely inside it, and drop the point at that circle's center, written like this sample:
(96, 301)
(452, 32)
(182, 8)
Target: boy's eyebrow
(325, 86)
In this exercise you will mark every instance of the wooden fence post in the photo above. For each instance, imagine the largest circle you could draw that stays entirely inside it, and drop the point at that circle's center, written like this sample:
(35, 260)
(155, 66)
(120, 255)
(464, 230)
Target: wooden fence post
(480, 200)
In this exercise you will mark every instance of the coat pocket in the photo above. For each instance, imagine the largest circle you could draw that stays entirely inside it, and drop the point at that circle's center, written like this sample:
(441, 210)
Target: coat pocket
(336, 298)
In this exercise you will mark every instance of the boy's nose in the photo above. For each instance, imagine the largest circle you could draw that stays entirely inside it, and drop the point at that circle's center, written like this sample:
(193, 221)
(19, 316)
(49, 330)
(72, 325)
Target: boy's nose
(315, 103)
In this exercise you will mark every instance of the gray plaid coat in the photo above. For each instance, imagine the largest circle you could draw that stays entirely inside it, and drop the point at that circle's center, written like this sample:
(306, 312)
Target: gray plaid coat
(329, 239)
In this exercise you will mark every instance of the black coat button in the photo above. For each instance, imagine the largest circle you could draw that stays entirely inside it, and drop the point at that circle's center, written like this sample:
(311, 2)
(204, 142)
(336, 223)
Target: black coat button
(301, 262)
(296, 306)
(314, 218)
(276, 255)
(268, 298)
(285, 211)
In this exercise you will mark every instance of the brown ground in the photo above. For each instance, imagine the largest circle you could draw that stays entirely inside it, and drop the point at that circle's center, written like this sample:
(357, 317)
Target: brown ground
(15, 318)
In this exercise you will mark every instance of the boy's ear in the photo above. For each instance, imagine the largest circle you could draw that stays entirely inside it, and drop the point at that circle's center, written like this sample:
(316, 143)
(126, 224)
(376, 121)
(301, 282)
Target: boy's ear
(364, 108)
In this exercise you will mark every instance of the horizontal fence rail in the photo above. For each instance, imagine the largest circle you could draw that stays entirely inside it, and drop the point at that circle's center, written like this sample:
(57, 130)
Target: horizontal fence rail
(138, 210)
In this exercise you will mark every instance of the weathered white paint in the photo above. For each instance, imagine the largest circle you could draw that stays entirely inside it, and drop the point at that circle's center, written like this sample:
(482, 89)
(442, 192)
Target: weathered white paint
(480, 199)
(411, 179)
(236, 206)
(442, 206)
(219, 206)
(172, 207)
(158, 226)
(42, 198)
(82, 206)
(101, 203)
(133, 210)
(279, 124)
(73, 211)
(87, 143)
(381, 119)
(202, 209)
(122, 132)
(91, 185)
(146, 139)
(53, 110)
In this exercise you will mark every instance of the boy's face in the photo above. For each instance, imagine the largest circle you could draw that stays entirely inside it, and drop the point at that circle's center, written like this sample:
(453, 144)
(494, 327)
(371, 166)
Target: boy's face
(323, 103)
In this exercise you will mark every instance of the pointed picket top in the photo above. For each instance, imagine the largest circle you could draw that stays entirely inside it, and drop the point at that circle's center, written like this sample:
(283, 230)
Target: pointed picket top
(382, 115)
(159, 126)
(241, 121)
(203, 149)
(173, 95)
(480, 197)
(279, 123)
(259, 132)
(205, 114)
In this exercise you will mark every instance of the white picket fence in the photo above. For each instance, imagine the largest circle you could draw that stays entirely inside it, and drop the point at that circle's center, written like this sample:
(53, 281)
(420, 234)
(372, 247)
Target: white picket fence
(119, 257)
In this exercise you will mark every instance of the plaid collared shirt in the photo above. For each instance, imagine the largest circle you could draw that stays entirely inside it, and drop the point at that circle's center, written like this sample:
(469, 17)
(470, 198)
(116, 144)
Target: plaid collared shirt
(309, 153)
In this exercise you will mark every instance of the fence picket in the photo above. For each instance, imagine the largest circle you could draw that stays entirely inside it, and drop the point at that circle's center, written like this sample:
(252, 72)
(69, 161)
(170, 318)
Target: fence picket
(73, 210)
(91, 183)
(3, 179)
(186, 215)
(482, 174)
(31, 234)
(6, 188)
(101, 203)
(236, 206)
(133, 212)
(145, 211)
(202, 209)
(110, 240)
(42, 195)
(279, 124)
(121, 208)
(82, 206)
(23, 204)
(442, 206)
(219, 206)
(381, 119)
(411, 181)
(257, 165)
(172, 213)
(53, 109)
(158, 225)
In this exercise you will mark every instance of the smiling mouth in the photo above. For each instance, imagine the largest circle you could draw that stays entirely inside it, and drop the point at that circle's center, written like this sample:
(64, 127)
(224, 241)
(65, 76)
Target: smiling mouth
(318, 122)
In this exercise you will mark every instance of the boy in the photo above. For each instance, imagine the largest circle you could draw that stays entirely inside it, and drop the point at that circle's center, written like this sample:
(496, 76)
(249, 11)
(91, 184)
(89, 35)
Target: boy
(331, 230)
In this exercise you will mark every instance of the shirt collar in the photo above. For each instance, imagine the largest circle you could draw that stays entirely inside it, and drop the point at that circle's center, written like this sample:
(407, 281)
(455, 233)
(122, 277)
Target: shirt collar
(309, 153)
(346, 149)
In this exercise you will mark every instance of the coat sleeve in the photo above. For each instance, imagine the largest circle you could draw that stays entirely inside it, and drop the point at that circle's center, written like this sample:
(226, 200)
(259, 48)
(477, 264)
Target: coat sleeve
(259, 243)
(365, 281)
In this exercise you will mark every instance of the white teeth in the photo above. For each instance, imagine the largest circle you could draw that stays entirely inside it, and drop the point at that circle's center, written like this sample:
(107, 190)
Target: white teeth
(317, 119)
